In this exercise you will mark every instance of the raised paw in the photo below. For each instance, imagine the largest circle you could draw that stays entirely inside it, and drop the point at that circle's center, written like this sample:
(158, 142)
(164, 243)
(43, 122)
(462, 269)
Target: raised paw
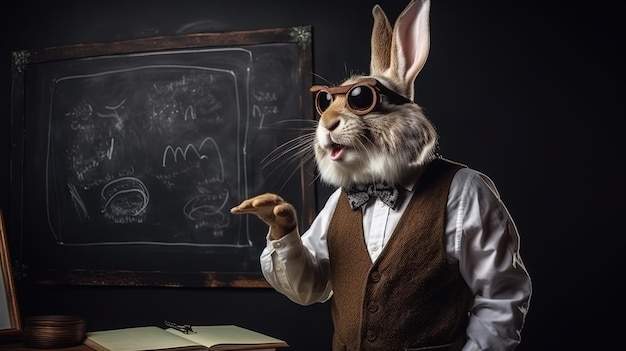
(272, 209)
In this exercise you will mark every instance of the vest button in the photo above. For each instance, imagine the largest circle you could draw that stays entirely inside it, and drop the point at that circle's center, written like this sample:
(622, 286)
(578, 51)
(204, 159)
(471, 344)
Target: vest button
(372, 306)
(375, 276)
(371, 335)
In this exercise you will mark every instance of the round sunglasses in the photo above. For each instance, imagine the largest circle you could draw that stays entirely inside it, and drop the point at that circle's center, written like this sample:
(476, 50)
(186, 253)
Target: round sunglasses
(361, 97)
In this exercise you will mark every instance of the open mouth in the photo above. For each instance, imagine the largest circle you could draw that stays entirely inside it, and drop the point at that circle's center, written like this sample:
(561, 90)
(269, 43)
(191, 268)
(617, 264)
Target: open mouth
(336, 151)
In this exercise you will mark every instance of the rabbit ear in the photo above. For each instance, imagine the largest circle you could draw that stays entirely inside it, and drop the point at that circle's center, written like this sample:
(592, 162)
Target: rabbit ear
(381, 39)
(405, 52)
(411, 42)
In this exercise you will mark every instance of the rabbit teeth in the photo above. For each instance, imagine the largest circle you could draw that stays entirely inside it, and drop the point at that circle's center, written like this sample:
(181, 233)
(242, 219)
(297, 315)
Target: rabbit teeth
(336, 151)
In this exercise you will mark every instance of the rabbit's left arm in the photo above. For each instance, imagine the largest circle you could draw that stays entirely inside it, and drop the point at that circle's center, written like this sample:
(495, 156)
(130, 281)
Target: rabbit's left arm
(487, 248)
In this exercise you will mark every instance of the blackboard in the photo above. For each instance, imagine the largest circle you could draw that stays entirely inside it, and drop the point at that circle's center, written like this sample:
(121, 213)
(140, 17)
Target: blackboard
(129, 155)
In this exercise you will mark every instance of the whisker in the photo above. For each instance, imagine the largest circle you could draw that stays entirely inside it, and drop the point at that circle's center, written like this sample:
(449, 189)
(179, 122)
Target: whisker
(300, 142)
(306, 122)
(317, 176)
(294, 148)
(297, 162)
(322, 78)
(290, 156)
(293, 171)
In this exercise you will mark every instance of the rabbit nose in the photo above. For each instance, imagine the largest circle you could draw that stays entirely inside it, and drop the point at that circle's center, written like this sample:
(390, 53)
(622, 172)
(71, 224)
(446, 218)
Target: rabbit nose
(329, 121)
(333, 125)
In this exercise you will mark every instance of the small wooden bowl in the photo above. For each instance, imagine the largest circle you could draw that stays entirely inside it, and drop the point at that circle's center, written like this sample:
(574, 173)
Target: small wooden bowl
(53, 331)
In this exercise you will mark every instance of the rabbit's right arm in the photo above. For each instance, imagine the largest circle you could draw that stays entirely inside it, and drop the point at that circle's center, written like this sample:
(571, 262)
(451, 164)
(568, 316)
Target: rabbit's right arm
(272, 209)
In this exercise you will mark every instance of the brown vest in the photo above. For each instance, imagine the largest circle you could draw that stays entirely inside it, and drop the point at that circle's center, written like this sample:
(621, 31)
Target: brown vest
(410, 297)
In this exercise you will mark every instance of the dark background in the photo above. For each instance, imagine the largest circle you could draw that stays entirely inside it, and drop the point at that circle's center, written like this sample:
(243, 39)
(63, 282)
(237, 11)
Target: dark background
(529, 93)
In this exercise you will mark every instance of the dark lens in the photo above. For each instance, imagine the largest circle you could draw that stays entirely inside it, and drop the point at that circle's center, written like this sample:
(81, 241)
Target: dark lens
(323, 100)
(361, 98)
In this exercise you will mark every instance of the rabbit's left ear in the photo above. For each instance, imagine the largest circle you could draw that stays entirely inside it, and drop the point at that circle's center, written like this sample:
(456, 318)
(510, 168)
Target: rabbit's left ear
(400, 54)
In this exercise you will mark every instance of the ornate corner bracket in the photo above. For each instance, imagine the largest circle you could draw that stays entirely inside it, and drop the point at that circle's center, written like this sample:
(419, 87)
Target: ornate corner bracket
(302, 35)
(19, 60)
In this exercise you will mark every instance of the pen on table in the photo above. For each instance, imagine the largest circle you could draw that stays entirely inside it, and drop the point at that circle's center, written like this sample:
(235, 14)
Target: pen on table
(183, 328)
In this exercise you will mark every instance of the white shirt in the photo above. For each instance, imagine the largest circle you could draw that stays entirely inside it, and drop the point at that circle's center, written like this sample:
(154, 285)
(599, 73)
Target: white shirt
(481, 237)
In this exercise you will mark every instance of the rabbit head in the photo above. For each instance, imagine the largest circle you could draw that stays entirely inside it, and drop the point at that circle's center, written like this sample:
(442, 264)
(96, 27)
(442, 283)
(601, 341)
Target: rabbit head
(369, 128)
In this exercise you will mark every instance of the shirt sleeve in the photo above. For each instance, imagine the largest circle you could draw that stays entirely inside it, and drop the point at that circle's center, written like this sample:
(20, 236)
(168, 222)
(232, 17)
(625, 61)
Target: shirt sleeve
(486, 244)
(297, 267)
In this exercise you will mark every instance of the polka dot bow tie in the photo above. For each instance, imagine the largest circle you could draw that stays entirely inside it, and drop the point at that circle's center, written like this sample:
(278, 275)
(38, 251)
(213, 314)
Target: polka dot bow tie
(359, 194)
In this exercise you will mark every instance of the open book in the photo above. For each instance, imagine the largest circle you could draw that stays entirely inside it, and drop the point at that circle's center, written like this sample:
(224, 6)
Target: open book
(203, 338)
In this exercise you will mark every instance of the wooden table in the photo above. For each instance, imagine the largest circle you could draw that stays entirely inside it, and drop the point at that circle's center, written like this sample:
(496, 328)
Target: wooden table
(19, 346)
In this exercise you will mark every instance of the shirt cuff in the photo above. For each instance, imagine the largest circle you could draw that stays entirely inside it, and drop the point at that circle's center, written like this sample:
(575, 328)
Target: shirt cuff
(284, 242)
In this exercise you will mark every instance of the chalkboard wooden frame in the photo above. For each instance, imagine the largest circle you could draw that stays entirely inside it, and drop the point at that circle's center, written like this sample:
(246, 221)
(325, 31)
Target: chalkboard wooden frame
(45, 257)
(10, 321)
